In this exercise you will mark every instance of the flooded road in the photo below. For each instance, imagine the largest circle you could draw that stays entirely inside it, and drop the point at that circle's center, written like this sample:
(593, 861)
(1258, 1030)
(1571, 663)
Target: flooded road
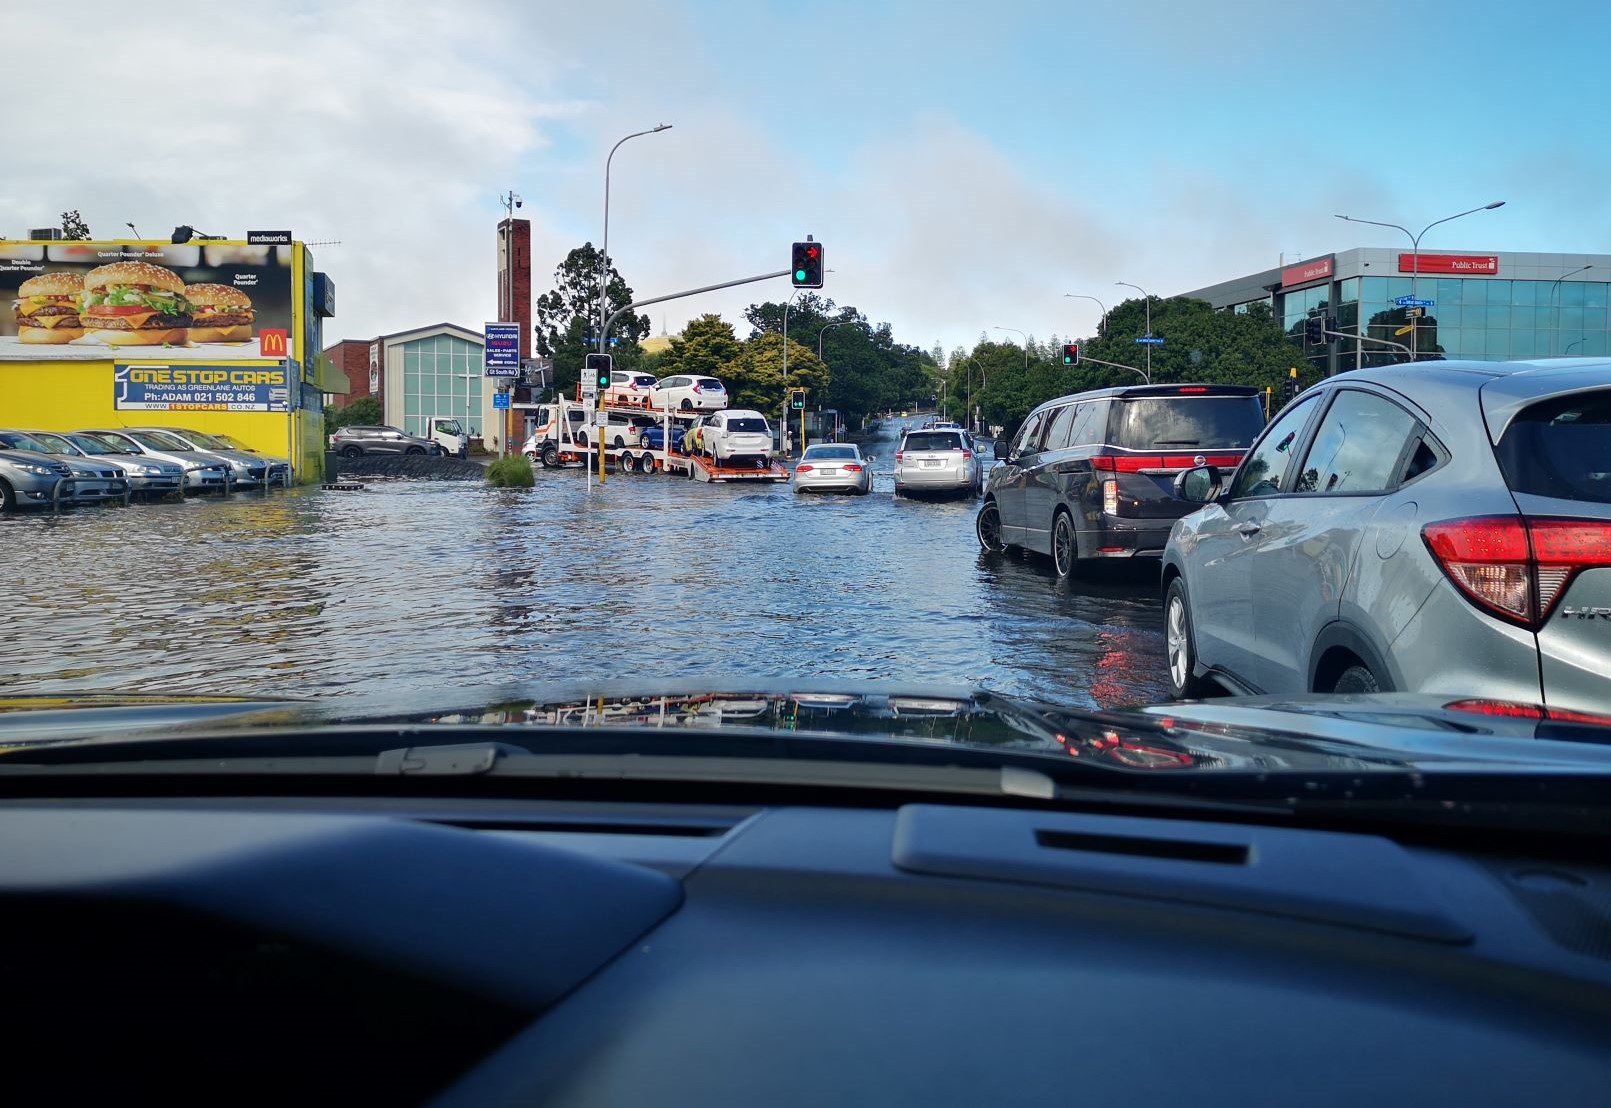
(411, 587)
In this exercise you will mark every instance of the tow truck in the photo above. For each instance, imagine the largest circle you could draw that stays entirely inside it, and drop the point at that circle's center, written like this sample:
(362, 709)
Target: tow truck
(567, 435)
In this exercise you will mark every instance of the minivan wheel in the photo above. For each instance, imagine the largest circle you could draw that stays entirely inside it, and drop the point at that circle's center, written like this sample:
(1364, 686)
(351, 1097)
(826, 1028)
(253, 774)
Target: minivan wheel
(1180, 645)
(987, 525)
(1357, 679)
(1065, 547)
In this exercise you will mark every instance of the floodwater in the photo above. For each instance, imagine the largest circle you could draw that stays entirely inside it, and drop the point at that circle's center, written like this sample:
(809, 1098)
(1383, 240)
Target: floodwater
(413, 587)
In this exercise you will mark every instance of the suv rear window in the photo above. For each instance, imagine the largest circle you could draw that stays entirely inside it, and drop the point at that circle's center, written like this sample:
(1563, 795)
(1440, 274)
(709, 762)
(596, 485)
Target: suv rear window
(932, 440)
(1187, 423)
(756, 425)
(1561, 448)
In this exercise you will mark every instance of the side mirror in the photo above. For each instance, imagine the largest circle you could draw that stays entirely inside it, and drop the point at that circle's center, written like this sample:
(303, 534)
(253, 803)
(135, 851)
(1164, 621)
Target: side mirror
(1197, 486)
(999, 449)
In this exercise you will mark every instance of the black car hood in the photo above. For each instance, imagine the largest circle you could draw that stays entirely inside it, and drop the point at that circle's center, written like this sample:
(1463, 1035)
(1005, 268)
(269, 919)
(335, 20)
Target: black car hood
(1251, 735)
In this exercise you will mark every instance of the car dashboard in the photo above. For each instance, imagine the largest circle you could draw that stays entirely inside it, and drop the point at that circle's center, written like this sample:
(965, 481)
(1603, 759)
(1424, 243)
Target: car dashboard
(505, 951)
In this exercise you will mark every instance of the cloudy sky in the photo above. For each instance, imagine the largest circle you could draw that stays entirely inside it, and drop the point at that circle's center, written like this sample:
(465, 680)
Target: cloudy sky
(965, 164)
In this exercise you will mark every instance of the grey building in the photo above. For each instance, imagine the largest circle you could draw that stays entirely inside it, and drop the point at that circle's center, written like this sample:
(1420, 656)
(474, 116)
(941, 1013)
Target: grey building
(1490, 306)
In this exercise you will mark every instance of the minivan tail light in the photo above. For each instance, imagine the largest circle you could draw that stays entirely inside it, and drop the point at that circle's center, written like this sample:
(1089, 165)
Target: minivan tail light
(1110, 497)
(1517, 568)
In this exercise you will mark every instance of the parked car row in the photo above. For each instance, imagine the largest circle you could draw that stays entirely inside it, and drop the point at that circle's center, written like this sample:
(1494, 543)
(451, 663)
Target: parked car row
(1442, 527)
(45, 468)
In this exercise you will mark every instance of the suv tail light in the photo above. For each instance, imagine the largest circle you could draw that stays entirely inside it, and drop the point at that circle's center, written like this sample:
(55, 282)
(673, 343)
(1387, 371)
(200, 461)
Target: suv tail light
(899, 454)
(967, 454)
(1517, 568)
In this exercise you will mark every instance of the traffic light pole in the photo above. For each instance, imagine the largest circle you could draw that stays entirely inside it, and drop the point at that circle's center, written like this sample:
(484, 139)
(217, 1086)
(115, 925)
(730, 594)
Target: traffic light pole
(1367, 338)
(1145, 376)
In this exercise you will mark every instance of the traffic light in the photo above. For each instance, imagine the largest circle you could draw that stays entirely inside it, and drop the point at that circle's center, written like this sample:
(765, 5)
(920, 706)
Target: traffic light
(1290, 390)
(797, 399)
(1071, 353)
(598, 369)
(1314, 331)
(807, 265)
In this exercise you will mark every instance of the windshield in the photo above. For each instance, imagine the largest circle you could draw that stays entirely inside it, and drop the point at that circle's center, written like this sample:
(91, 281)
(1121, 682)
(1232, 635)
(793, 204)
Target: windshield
(1205, 423)
(156, 440)
(1561, 448)
(56, 444)
(597, 349)
(933, 440)
(15, 440)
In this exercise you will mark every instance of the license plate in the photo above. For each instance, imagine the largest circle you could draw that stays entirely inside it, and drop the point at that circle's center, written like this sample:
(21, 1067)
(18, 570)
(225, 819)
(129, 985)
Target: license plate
(828, 472)
(932, 463)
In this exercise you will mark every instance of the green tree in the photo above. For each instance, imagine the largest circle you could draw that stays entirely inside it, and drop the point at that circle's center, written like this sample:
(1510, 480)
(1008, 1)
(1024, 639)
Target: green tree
(363, 412)
(755, 379)
(73, 226)
(568, 313)
(707, 346)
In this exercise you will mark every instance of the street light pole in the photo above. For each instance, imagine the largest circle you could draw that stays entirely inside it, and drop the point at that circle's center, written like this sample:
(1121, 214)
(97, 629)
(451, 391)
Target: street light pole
(1147, 298)
(1016, 331)
(1555, 335)
(1101, 324)
(823, 331)
(604, 257)
(1415, 256)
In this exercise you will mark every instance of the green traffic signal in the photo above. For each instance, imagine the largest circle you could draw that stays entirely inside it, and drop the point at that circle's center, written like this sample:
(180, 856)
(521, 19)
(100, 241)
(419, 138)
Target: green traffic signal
(799, 275)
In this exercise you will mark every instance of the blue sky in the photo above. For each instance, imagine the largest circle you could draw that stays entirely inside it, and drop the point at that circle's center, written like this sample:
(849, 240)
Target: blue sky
(966, 164)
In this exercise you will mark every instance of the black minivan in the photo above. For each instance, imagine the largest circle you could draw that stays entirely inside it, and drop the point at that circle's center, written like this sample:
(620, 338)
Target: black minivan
(1091, 475)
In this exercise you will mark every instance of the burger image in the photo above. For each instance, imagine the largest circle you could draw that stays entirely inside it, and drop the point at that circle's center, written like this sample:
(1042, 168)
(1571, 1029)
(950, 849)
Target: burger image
(221, 313)
(135, 304)
(47, 309)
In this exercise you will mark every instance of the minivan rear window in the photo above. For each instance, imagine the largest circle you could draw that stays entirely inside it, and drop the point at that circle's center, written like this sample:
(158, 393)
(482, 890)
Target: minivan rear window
(932, 440)
(1561, 448)
(1187, 423)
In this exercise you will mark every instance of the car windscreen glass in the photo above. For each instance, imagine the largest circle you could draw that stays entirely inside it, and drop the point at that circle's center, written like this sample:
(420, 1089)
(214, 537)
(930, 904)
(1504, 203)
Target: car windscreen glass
(232, 443)
(1561, 448)
(830, 453)
(757, 426)
(89, 444)
(1187, 423)
(933, 440)
(14, 440)
(156, 440)
(204, 441)
(56, 444)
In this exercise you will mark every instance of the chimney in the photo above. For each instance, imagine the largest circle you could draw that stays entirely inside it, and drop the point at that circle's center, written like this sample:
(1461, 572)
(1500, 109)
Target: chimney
(514, 277)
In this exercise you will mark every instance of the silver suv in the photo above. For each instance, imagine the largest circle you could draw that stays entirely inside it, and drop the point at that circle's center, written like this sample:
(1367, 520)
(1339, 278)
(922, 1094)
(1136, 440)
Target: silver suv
(1442, 527)
(938, 461)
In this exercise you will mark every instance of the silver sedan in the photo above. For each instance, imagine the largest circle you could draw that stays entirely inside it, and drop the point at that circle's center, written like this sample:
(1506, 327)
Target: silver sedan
(834, 467)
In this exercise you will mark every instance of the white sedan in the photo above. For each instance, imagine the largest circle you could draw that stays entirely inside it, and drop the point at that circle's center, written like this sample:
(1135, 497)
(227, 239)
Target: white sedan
(834, 467)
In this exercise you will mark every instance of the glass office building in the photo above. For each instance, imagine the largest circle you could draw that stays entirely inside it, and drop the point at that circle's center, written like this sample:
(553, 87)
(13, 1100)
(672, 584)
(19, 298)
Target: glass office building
(1383, 304)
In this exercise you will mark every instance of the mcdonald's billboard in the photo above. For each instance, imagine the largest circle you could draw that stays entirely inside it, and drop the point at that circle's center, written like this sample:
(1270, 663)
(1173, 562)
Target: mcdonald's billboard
(210, 301)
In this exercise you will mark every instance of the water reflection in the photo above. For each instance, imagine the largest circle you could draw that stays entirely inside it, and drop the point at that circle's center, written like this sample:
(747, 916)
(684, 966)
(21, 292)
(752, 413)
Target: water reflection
(444, 586)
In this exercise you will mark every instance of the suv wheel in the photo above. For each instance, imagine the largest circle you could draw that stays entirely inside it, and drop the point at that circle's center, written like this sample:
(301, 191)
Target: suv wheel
(352, 451)
(1357, 679)
(1180, 645)
(987, 525)
(415, 450)
(1065, 546)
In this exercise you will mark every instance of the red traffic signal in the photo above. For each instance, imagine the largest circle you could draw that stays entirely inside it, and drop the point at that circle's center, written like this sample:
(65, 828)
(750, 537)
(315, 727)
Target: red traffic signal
(806, 268)
(1071, 353)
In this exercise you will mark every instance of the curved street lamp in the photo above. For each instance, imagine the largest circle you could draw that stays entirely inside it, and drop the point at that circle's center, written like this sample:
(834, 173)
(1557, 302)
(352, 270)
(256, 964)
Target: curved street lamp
(604, 256)
(1415, 253)
(1147, 299)
(1016, 331)
(1101, 324)
(1554, 286)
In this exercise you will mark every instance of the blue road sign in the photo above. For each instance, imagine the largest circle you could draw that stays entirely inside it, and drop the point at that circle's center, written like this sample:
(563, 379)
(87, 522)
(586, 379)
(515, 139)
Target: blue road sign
(1413, 302)
(500, 400)
(501, 354)
(1150, 340)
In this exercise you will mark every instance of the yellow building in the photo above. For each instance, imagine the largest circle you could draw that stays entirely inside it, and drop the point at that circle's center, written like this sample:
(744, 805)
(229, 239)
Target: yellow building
(220, 336)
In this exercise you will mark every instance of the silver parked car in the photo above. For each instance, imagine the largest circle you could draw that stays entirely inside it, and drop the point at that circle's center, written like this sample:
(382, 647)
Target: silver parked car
(246, 470)
(92, 480)
(353, 442)
(203, 472)
(834, 467)
(1443, 527)
(146, 476)
(938, 461)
